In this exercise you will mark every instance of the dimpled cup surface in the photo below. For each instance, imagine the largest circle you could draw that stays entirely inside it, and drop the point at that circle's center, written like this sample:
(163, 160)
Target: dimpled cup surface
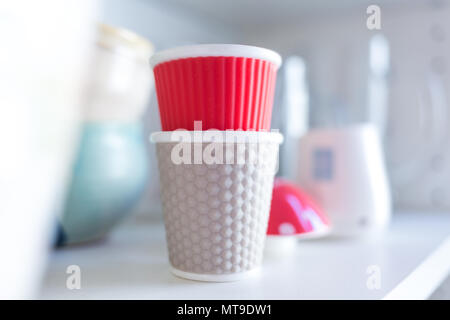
(216, 215)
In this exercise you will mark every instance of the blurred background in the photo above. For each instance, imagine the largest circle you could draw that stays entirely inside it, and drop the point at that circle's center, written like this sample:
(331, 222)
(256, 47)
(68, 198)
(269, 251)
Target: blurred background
(336, 72)
(341, 73)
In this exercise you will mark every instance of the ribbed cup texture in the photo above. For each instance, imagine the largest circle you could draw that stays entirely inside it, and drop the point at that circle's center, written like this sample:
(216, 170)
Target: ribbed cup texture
(216, 214)
(222, 92)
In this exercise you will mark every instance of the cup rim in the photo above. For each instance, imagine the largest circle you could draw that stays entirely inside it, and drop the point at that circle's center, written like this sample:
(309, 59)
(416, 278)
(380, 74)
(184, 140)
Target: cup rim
(216, 50)
(208, 136)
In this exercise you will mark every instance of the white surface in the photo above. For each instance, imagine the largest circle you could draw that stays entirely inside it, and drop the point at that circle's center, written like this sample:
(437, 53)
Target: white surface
(216, 50)
(133, 264)
(443, 291)
(428, 276)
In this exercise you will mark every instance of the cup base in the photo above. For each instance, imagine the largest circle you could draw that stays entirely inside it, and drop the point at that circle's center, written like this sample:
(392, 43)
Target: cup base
(230, 277)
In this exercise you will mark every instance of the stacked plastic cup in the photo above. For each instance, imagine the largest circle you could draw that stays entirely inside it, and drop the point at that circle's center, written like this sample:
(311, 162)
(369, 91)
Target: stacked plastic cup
(216, 157)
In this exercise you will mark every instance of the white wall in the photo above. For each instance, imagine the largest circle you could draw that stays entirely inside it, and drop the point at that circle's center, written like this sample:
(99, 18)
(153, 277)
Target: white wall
(164, 24)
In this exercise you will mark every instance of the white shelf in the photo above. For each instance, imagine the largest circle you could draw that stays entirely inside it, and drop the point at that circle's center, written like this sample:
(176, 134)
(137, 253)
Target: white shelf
(133, 264)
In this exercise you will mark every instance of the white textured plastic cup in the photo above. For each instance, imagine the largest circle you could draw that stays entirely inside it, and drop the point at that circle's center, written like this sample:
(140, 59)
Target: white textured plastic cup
(216, 214)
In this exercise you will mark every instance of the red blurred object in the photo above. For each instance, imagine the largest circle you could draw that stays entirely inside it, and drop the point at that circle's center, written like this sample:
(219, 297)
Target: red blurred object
(293, 212)
(223, 92)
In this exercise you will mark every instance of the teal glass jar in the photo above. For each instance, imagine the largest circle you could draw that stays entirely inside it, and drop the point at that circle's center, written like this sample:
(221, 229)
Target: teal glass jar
(109, 176)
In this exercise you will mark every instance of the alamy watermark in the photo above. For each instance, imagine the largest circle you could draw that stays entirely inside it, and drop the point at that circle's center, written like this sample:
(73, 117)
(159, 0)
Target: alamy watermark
(73, 281)
(225, 147)
(374, 279)
(373, 21)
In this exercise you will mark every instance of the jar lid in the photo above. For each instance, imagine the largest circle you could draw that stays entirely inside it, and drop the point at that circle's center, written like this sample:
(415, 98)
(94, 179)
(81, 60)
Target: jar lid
(123, 40)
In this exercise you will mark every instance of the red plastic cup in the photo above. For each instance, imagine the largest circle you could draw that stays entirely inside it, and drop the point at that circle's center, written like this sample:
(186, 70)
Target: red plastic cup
(224, 86)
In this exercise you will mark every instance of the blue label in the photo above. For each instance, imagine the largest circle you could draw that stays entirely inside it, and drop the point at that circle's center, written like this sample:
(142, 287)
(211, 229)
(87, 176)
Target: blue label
(323, 164)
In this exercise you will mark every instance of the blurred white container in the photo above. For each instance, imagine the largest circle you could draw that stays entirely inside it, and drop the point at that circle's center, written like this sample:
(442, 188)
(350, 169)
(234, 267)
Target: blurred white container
(120, 79)
(344, 170)
(42, 61)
